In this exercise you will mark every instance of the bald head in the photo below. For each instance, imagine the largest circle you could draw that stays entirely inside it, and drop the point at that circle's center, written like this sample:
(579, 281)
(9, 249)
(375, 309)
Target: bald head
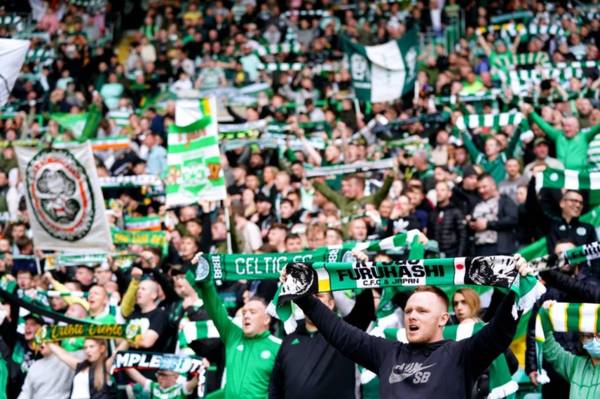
(147, 295)
(570, 126)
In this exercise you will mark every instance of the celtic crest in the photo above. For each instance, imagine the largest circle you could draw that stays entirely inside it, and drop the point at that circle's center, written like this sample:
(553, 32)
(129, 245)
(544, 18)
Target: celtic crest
(60, 194)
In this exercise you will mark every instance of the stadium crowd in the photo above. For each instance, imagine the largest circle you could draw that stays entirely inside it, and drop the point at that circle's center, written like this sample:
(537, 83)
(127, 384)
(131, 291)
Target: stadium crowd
(463, 176)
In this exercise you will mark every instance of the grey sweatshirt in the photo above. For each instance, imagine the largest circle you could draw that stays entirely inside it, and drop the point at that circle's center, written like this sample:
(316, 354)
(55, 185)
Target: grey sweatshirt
(48, 378)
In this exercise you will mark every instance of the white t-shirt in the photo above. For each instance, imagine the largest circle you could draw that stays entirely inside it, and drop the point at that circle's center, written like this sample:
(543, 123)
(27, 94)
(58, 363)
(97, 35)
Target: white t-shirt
(81, 385)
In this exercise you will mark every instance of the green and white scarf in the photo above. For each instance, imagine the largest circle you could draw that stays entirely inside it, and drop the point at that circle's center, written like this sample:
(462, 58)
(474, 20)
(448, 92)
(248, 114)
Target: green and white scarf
(494, 121)
(567, 179)
(493, 271)
(564, 317)
(234, 267)
(195, 330)
(356, 167)
(51, 333)
(293, 48)
(515, 60)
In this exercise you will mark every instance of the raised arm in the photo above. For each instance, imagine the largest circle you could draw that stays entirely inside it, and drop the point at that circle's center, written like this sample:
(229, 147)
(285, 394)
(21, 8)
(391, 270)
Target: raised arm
(64, 356)
(470, 146)
(137, 377)
(561, 360)
(493, 339)
(216, 311)
(552, 132)
(329, 193)
(591, 132)
(356, 345)
(382, 193)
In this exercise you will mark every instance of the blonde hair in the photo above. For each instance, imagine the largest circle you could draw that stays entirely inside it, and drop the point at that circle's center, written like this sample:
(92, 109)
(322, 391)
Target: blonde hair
(472, 300)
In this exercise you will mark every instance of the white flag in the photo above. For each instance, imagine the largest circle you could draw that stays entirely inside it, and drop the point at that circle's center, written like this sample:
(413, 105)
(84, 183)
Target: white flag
(64, 199)
(12, 56)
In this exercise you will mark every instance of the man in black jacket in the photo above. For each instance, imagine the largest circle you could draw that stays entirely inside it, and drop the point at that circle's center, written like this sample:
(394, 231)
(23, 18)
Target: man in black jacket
(563, 227)
(447, 224)
(494, 220)
(428, 366)
(307, 366)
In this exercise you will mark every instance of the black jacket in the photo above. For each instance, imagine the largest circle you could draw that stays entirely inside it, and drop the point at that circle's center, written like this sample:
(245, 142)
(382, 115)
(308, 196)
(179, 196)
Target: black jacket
(447, 226)
(307, 366)
(543, 212)
(444, 369)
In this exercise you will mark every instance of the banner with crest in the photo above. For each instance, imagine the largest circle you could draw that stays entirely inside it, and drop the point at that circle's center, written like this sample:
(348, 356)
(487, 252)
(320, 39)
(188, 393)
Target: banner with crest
(64, 199)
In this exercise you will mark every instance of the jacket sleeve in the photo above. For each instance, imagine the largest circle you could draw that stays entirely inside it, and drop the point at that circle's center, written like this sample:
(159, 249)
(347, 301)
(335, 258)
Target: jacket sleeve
(591, 132)
(531, 360)
(378, 197)
(508, 215)
(333, 196)
(470, 146)
(216, 311)
(461, 231)
(363, 312)
(582, 290)
(276, 387)
(492, 340)
(552, 132)
(513, 142)
(356, 345)
(561, 360)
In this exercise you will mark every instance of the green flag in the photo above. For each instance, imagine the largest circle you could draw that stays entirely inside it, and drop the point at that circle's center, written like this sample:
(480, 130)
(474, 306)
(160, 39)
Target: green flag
(384, 72)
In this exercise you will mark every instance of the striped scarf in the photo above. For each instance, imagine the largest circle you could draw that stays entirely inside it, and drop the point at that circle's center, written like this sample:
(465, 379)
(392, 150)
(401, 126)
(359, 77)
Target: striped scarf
(290, 47)
(564, 317)
(514, 60)
(493, 271)
(494, 121)
(567, 179)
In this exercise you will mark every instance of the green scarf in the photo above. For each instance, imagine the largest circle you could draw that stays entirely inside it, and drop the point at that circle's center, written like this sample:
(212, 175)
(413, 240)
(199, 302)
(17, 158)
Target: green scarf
(568, 179)
(234, 267)
(494, 271)
(109, 331)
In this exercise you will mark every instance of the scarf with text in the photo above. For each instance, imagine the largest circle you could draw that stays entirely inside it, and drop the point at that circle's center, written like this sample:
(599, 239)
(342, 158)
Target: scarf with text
(157, 361)
(130, 332)
(493, 271)
(233, 267)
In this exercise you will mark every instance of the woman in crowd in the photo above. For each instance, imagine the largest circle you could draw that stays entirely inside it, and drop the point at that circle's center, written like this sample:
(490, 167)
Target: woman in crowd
(92, 379)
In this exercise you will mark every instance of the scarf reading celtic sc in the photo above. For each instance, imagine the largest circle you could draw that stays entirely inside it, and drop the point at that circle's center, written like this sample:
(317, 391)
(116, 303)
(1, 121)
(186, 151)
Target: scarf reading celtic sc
(495, 271)
(564, 317)
(269, 265)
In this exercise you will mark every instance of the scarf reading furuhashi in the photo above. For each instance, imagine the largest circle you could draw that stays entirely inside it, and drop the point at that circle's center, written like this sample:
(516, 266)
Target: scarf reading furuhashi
(494, 271)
